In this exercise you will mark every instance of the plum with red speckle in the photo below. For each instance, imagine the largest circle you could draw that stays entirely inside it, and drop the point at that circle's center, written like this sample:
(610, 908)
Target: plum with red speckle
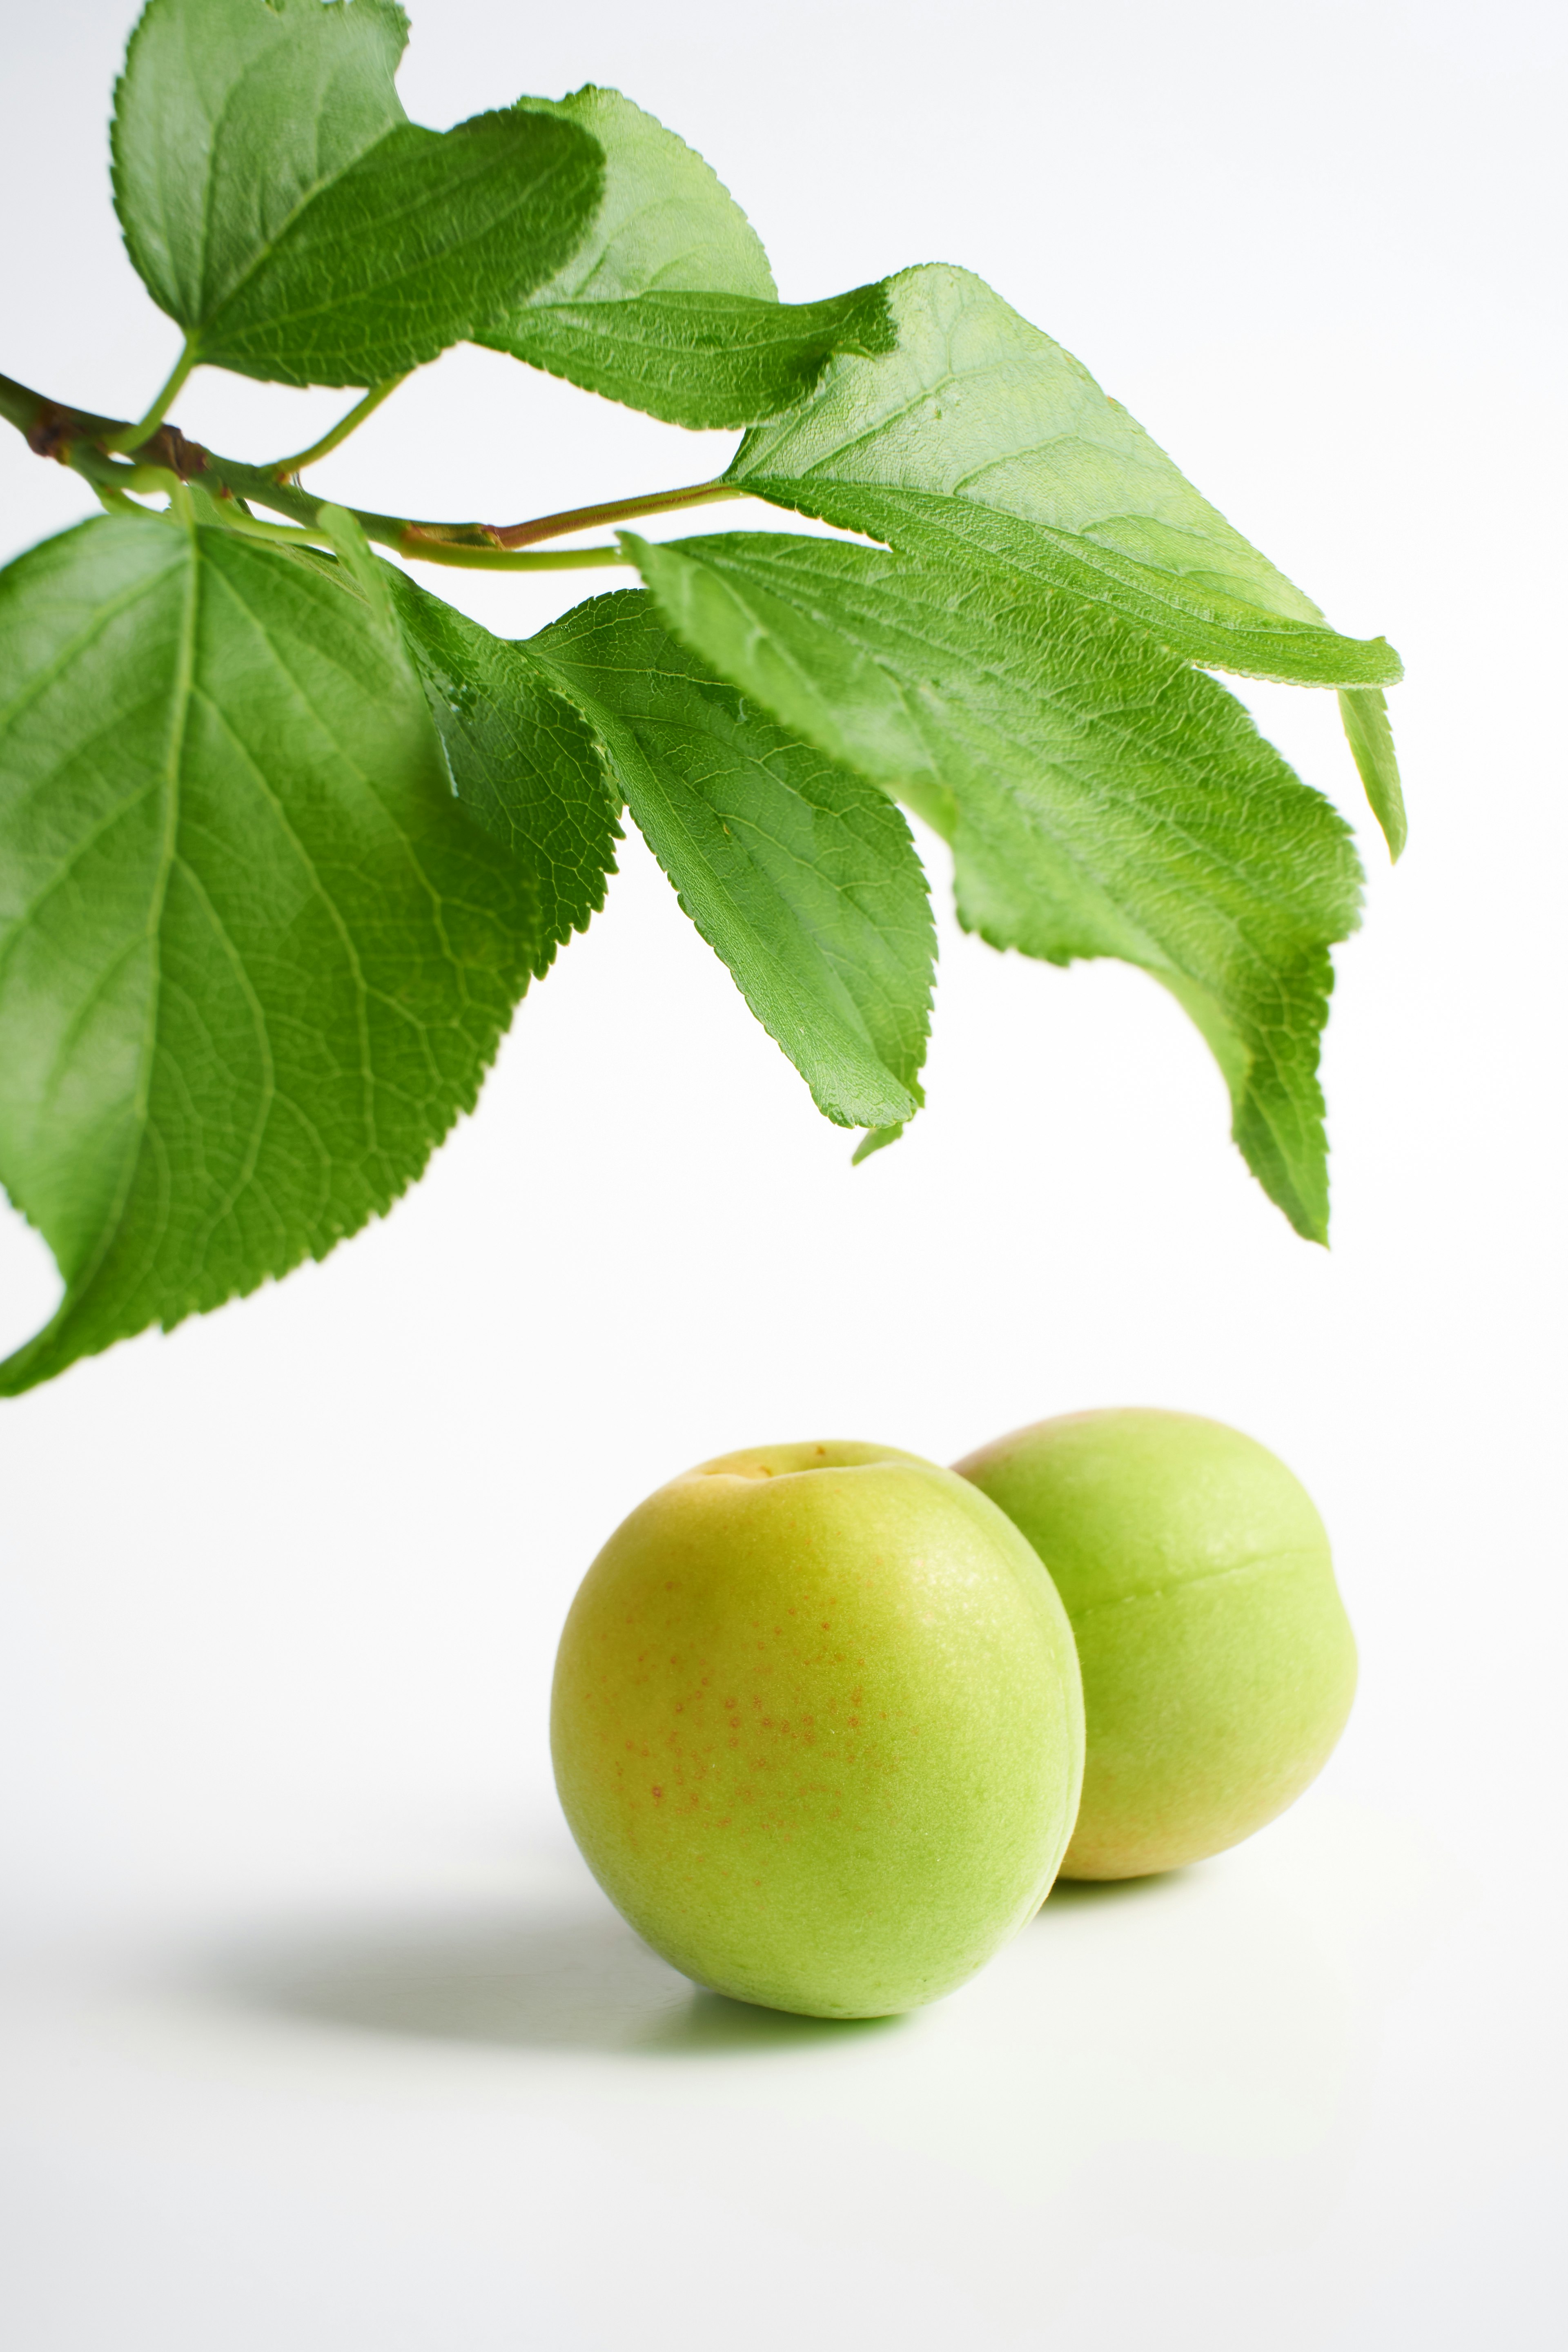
(818, 1727)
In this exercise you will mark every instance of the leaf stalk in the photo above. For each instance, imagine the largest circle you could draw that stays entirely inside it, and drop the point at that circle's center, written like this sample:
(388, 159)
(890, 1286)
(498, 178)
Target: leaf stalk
(131, 436)
(288, 469)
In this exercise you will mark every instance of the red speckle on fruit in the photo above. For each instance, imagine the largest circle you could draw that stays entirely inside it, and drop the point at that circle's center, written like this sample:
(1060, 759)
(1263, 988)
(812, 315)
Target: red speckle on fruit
(658, 1792)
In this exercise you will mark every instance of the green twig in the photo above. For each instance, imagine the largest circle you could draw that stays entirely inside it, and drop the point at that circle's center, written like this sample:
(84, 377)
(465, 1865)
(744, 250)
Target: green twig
(507, 559)
(88, 444)
(556, 525)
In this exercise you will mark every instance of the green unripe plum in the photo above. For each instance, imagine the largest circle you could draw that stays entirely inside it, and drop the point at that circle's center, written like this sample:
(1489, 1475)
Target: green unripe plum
(1219, 1665)
(818, 1727)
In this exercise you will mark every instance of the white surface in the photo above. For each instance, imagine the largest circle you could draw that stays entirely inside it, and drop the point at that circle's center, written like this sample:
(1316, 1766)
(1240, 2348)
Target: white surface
(315, 2033)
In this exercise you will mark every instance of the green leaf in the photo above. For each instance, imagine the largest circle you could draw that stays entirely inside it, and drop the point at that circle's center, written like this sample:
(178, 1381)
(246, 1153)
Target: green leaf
(1371, 739)
(669, 305)
(800, 876)
(409, 252)
(877, 1138)
(254, 958)
(667, 223)
(523, 760)
(697, 359)
(1102, 797)
(978, 434)
(281, 207)
(229, 115)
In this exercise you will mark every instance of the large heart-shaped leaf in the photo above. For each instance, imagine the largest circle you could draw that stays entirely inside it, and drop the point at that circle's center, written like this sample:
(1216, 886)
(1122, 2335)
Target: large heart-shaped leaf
(254, 958)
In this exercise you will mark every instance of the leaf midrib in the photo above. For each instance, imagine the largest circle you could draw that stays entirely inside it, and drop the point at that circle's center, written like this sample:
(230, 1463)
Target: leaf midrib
(1254, 628)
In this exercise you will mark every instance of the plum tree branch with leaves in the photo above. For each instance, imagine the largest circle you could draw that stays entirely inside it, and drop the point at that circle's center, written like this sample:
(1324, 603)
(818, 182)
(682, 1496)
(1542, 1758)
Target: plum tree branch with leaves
(284, 838)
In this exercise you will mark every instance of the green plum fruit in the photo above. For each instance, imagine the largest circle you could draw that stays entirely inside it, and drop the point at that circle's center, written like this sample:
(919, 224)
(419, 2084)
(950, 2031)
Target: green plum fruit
(818, 1727)
(1219, 1665)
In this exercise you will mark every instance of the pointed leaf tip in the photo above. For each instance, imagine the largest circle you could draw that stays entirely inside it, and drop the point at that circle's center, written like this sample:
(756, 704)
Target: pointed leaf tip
(877, 1138)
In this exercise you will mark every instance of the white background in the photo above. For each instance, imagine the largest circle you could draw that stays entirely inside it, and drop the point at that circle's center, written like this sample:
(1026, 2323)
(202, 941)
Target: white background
(315, 2033)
